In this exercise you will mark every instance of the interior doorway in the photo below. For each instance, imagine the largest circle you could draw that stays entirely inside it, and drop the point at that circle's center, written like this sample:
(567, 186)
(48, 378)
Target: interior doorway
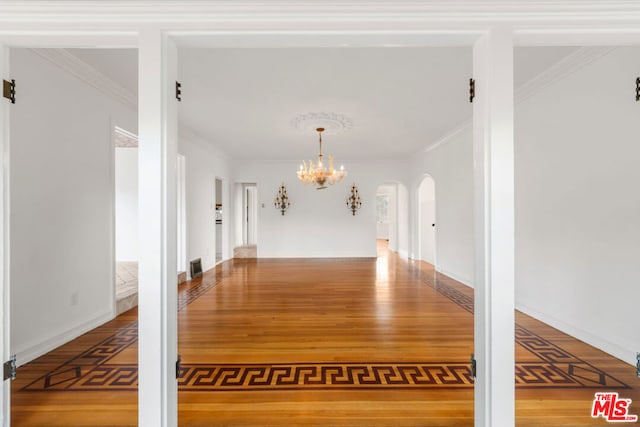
(250, 212)
(126, 219)
(219, 220)
(386, 215)
(246, 220)
(181, 218)
(73, 215)
(427, 220)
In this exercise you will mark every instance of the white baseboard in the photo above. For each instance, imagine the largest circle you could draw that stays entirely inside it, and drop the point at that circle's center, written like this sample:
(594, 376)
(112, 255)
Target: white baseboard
(33, 351)
(624, 354)
(455, 277)
(404, 254)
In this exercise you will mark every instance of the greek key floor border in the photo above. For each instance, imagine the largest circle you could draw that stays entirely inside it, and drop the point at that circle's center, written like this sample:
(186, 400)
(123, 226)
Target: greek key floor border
(554, 360)
(91, 370)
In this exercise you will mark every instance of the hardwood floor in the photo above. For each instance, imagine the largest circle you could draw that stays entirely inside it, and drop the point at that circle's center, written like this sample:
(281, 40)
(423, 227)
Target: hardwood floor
(319, 342)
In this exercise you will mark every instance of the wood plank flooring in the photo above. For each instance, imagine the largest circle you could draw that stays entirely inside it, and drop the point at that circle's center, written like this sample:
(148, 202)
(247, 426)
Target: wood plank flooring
(319, 342)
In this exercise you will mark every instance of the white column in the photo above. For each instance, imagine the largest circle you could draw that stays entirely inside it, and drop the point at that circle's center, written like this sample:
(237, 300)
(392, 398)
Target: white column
(5, 330)
(157, 278)
(494, 229)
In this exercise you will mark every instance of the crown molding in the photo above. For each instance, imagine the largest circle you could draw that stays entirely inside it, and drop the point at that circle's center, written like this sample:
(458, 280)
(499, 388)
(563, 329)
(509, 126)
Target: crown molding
(187, 133)
(124, 139)
(131, 13)
(447, 137)
(550, 76)
(560, 70)
(85, 72)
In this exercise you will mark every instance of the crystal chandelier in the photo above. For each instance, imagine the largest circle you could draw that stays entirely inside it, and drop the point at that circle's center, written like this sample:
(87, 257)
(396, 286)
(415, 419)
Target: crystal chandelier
(318, 174)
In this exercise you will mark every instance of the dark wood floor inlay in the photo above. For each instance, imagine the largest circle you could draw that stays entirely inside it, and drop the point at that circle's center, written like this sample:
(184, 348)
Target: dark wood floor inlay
(558, 365)
(94, 361)
(555, 367)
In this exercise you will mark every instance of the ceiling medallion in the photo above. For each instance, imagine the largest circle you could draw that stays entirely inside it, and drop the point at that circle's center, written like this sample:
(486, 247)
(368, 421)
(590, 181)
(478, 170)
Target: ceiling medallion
(318, 174)
(332, 123)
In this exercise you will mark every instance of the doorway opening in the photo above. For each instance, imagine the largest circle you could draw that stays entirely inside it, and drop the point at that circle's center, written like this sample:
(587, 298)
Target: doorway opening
(392, 218)
(126, 219)
(386, 219)
(427, 221)
(181, 218)
(219, 221)
(73, 216)
(247, 218)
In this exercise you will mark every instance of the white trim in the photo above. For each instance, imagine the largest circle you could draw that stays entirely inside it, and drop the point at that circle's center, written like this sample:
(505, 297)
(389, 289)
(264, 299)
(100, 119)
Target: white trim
(44, 345)
(85, 11)
(88, 74)
(5, 231)
(157, 230)
(615, 350)
(403, 253)
(494, 229)
(124, 139)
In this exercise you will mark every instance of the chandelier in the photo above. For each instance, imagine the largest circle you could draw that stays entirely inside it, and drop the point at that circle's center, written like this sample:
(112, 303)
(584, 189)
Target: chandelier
(318, 174)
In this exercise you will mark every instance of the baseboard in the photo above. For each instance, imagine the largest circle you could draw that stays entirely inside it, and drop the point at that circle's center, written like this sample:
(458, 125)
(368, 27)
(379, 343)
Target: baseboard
(455, 277)
(404, 254)
(34, 351)
(626, 355)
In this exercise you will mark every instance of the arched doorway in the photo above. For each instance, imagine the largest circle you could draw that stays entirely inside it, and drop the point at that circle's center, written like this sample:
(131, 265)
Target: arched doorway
(427, 220)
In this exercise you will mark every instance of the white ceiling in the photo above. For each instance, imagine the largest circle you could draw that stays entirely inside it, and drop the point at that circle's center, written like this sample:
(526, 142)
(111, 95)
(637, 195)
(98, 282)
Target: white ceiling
(400, 99)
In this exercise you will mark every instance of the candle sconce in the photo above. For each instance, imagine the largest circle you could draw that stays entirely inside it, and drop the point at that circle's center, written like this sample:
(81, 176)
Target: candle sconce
(354, 202)
(282, 199)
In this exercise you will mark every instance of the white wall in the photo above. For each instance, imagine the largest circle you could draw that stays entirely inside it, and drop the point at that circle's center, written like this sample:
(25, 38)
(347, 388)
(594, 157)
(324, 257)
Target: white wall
(62, 205)
(203, 165)
(318, 222)
(126, 166)
(578, 204)
(451, 166)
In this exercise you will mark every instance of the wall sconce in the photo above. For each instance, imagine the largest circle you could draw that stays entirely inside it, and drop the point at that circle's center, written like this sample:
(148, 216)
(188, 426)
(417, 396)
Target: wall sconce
(354, 202)
(282, 199)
